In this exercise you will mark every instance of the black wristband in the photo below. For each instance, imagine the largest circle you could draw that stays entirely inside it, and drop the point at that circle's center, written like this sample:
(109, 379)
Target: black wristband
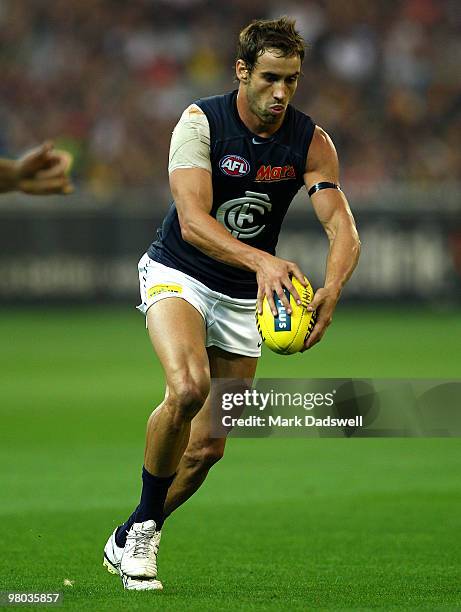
(323, 185)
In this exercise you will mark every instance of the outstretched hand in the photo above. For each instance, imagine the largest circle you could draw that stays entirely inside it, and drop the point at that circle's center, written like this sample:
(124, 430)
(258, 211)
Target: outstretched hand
(44, 170)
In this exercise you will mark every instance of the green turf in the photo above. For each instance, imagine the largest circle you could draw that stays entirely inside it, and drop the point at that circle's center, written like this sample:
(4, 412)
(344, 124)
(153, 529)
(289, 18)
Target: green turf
(294, 524)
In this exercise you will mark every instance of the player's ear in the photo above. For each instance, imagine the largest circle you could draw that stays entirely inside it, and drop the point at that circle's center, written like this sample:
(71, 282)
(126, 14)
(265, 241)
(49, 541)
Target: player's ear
(241, 70)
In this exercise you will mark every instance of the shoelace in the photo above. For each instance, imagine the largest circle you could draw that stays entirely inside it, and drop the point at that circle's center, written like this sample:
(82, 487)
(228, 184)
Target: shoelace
(142, 541)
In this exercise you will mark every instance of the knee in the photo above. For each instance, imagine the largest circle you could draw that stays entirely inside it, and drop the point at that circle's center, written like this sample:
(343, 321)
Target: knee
(188, 393)
(204, 457)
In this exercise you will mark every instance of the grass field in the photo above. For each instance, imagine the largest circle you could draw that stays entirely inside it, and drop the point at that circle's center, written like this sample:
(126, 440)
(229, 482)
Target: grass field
(294, 524)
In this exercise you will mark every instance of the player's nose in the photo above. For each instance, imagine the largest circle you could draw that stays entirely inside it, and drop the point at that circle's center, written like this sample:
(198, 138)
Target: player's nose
(279, 93)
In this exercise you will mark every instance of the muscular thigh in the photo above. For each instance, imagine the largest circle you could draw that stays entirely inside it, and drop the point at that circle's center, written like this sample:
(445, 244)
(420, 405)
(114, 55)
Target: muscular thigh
(177, 332)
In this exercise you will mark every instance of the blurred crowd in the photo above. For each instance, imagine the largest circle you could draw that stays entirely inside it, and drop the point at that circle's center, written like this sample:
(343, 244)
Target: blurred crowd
(108, 79)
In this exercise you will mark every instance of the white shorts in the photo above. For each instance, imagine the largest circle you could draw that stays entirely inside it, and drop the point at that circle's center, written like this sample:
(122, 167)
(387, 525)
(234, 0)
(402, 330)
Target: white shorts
(230, 322)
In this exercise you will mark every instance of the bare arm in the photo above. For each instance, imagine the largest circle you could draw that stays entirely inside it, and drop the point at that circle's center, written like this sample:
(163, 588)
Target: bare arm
(332, 210)
(193, 196)
(39, 172)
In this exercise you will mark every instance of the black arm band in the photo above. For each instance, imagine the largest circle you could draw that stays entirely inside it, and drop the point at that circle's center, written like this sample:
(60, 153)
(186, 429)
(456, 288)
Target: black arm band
(322, 185)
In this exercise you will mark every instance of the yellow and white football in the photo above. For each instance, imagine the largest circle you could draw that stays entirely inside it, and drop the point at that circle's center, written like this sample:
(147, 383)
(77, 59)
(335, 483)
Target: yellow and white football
(285, 334)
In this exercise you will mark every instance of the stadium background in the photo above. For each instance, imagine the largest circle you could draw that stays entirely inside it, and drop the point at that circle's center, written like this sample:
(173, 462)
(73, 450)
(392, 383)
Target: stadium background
(355, 523)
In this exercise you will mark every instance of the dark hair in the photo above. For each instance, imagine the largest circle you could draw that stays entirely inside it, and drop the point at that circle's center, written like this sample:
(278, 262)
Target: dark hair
(263, 34)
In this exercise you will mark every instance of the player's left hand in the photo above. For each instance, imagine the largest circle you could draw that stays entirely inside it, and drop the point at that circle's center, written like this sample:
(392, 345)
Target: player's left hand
(44, 170)
(324, 302)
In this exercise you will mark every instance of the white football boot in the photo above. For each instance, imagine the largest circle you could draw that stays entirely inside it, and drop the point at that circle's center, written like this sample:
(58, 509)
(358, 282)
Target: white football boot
(112, 555)
(139, 559)
(112, 561)
(141, 584)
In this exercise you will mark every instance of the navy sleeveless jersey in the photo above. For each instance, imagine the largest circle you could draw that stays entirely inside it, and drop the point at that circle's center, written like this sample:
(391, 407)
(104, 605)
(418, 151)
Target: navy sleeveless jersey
(254, 181)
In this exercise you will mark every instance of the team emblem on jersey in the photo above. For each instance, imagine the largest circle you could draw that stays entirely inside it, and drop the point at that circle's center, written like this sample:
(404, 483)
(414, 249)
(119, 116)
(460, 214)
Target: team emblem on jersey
(244, 217)
(234, 165)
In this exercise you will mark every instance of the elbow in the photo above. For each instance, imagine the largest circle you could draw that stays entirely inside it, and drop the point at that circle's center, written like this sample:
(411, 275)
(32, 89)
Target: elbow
(187, 232)
(357, 248)
(354, 239)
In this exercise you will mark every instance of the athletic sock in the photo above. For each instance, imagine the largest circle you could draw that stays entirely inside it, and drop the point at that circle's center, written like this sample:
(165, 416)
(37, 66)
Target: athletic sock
(153, 496)
(121, 533)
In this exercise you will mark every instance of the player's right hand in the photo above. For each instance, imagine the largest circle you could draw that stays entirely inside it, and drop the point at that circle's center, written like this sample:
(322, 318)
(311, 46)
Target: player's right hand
(274, 274)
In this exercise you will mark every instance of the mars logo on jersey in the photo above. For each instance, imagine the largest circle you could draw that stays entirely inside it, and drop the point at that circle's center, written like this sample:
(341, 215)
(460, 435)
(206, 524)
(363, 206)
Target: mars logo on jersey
(234, 165)
(275, 173)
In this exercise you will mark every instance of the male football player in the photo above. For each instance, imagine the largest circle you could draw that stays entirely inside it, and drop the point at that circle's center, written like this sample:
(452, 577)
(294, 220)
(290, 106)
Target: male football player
(236, 161)
(41, 171)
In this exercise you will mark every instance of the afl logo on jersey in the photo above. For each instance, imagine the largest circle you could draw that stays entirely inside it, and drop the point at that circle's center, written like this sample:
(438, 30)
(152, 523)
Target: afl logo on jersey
(234, 165)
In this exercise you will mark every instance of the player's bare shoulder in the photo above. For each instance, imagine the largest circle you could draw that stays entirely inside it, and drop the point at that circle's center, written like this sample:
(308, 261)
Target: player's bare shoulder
(322, 156)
